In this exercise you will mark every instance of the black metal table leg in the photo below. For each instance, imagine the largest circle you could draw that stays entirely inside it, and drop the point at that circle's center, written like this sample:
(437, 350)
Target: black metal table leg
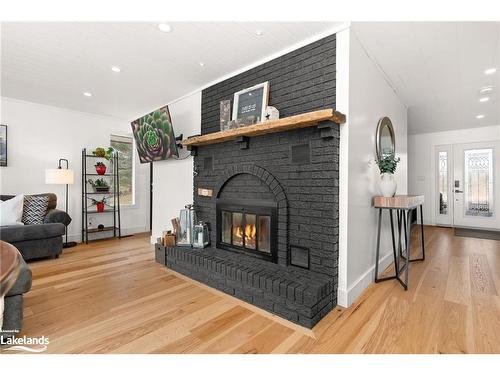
(396, 266)
(422, 231)
(400, 246)
(378, 244)
(404, 225)
(408, 241)
(377, 256)
(421, 234)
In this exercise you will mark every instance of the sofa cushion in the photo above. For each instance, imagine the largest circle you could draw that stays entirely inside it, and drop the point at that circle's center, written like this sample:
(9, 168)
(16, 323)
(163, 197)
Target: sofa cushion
(17, 233)
(23, 281)
(52, 199)
(11, 211)
(35, 209)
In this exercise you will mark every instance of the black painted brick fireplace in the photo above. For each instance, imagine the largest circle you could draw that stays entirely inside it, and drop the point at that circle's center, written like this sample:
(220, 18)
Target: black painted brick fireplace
(296, 171)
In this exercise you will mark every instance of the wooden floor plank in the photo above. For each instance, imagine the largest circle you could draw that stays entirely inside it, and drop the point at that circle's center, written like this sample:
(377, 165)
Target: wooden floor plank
(486, 323)
(458, 288)
(266, 341)
(243, 332)
(389, 328)
(482, 281)
(455, 329)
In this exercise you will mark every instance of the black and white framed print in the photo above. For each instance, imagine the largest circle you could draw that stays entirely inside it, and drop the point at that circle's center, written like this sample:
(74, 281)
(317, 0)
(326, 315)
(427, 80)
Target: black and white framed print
(3, 145)
(251, 102)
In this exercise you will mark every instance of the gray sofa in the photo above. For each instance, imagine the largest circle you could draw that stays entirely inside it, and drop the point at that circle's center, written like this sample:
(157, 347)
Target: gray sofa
(41, 240)
(13, 307)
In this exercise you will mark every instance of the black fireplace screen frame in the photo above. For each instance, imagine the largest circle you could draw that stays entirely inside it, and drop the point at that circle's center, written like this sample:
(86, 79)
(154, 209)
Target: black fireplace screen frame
(253, 207)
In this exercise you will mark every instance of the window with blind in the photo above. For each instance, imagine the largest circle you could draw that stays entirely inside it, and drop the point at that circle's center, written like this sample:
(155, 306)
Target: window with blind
(124, 145)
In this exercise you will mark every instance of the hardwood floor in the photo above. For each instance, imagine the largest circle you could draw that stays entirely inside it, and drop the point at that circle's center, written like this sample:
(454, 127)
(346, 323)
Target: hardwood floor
(111, 297)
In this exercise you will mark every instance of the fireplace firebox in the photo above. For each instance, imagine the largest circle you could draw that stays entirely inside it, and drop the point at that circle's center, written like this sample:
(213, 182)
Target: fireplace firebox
(247, 226)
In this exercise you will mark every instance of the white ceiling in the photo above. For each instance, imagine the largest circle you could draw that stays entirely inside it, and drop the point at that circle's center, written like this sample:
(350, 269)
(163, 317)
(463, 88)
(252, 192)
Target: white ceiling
(437, 68)
(54, 63)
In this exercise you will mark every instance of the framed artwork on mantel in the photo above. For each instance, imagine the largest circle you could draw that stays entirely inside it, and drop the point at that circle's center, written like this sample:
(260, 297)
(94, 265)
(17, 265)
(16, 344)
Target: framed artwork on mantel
(251, 102)
(3, 145)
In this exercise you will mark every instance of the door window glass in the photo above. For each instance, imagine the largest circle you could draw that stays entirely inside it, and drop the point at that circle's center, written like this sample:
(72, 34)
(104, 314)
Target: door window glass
(478, 187)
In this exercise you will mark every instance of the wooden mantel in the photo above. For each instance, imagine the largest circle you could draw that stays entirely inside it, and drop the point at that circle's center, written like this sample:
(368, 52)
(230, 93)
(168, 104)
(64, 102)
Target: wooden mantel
(303, 120)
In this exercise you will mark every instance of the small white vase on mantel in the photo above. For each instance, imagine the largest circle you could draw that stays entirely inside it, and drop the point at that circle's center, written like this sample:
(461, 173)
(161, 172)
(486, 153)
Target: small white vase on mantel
(388, 184)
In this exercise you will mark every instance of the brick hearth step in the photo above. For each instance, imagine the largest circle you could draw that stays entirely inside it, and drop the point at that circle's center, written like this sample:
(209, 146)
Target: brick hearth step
(295, 294)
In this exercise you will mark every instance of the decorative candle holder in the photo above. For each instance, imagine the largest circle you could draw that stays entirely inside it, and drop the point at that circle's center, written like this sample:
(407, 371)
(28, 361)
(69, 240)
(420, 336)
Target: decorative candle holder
(187, 218)
(201, 236)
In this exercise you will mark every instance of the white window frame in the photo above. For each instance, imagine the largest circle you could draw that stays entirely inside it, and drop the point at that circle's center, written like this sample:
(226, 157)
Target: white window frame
(116, 138)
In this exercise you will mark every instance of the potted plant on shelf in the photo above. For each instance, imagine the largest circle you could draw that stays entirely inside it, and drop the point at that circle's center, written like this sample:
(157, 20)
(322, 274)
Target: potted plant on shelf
(103, 153)
(100, 185)
(387, 166)
(99, 203)
(100, 168)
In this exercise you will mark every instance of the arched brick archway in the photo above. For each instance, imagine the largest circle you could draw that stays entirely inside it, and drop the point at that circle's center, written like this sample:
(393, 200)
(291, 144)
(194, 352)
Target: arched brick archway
(279, 194)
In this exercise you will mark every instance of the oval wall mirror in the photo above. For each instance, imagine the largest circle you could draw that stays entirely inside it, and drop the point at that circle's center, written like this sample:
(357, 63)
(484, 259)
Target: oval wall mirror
(385, 139)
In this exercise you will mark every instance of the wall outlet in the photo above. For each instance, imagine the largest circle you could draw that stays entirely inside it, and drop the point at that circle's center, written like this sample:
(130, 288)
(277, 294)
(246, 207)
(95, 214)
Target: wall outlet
(91, 221)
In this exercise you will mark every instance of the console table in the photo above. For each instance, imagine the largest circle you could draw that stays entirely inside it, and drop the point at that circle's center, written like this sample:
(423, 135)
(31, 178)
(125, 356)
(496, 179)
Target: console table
(404, 206)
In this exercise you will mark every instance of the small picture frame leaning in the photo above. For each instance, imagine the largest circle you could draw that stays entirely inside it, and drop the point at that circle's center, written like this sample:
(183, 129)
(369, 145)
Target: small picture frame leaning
(251, 101)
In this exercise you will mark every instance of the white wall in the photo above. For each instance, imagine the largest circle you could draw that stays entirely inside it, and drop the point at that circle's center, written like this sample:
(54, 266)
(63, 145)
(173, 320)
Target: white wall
(421, 151)
(342, 105)
(39, 135)
(173, 179)
(370, 97)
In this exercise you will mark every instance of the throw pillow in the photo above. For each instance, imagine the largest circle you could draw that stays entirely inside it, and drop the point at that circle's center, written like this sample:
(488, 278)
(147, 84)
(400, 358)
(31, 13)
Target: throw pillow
(35, 209)
(11, 211)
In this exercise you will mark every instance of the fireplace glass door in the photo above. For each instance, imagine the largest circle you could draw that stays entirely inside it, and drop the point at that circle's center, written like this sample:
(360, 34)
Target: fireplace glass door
(246, 228)
(246, 231)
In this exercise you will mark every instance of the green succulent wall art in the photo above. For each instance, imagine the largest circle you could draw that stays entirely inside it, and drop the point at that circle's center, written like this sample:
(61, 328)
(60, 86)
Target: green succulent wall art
(154, 136)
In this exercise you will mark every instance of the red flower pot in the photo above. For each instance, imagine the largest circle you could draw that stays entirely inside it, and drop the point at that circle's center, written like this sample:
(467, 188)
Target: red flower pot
(100, 169)
(100, 207)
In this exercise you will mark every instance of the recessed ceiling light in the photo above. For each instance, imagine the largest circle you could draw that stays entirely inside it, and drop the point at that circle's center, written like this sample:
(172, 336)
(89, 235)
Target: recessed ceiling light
(165, 27)
(116, 69)
(490, 71)
(258, 32)
(484, 99)
(201, 63)
(486, 90)
(88, 94)
(479, 117)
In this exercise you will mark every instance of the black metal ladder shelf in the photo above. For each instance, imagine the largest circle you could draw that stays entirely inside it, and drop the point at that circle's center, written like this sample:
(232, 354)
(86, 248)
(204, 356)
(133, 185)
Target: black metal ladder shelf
(113, 175)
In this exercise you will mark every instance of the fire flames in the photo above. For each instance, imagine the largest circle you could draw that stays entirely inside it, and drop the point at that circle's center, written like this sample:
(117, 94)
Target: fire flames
(250, 233)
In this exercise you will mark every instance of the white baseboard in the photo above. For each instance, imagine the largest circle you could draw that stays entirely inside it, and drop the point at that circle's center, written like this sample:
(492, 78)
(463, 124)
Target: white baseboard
(345, 298)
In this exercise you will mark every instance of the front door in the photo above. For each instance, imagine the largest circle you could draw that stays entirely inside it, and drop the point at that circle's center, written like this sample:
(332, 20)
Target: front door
(476, 191)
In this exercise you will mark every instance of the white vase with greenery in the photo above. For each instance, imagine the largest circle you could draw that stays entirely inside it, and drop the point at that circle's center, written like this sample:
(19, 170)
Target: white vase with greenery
(387, 166)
